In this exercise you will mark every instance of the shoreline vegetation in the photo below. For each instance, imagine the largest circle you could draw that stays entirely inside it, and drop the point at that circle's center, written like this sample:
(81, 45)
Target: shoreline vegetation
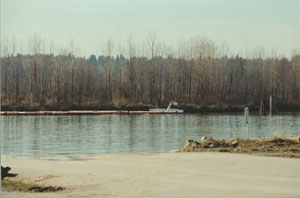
(188, 108)
(200, 74)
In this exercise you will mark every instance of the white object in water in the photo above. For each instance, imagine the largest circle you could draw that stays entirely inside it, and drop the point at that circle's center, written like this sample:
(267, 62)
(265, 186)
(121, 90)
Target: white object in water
(169, 109)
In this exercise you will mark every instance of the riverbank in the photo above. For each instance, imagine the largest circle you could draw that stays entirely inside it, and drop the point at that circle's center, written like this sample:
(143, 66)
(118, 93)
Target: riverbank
(279, 146)
(187, 107)
(160, 175)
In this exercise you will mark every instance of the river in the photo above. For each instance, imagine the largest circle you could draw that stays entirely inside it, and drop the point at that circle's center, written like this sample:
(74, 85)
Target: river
(86, 134)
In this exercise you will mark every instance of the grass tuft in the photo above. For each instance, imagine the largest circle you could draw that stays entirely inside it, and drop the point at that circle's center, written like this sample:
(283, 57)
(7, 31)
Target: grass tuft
(9, 185)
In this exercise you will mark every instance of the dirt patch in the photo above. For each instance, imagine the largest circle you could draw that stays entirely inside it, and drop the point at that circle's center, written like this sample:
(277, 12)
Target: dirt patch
(276, 146)
(8, 185)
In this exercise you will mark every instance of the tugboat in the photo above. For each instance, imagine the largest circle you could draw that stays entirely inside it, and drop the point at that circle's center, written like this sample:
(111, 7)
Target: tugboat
(168, 109)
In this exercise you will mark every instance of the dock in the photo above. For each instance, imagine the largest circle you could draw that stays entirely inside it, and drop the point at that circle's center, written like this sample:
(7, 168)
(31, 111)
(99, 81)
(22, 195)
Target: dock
(117, 112)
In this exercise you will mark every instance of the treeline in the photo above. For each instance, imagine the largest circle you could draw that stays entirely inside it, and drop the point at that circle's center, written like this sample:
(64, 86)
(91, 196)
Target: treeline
(198, 73)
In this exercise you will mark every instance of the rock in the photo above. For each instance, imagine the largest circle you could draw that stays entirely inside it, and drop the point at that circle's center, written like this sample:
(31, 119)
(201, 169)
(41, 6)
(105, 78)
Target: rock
(235, 143)
(4, 171)
(188, 143)
(195, 144)
(191, 144)
(212, 146)
(203, 138)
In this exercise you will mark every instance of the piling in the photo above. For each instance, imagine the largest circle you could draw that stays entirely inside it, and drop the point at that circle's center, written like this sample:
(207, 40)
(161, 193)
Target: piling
(262, 107)
(271, 105)
(246, 110)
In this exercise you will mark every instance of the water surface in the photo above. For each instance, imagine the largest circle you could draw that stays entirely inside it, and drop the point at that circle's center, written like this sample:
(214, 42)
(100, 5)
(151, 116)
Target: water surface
(82, 134)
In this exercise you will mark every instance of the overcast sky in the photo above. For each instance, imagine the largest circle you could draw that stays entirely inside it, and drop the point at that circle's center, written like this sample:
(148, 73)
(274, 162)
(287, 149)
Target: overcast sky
(242, 24)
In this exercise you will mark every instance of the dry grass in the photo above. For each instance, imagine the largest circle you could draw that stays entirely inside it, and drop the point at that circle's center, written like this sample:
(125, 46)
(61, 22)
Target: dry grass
(8, 185)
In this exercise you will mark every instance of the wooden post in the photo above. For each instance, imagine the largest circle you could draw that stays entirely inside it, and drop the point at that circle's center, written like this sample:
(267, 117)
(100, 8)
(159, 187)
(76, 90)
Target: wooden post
(261, 108)
(246, 110)
(270, 105)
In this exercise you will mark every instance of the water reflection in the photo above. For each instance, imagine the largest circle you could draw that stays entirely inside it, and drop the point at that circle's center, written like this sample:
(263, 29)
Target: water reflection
(37, 135)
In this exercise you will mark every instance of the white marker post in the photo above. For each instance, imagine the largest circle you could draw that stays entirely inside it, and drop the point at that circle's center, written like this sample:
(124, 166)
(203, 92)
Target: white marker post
(246, 116)
(0, 101)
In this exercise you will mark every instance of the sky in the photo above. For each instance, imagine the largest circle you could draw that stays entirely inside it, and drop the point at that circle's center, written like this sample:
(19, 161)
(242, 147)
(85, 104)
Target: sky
(242, 24)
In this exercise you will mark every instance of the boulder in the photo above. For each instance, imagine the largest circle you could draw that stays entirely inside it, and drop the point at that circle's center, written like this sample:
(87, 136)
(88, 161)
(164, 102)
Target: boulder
(235, 143)
(203, 138)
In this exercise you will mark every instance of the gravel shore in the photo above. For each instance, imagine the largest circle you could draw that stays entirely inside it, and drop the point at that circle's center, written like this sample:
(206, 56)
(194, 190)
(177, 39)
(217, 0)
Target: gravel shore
(173, 175)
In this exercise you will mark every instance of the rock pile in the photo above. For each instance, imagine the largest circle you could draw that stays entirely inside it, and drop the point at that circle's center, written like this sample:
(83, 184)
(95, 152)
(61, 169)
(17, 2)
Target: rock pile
(275, 146)
(209, 143)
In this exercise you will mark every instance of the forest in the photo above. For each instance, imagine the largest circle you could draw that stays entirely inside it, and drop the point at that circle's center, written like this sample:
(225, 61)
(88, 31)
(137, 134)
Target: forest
(198, 74)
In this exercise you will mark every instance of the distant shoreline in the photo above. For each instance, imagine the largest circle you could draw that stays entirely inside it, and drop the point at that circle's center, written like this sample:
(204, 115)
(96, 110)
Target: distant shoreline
(139, 108)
